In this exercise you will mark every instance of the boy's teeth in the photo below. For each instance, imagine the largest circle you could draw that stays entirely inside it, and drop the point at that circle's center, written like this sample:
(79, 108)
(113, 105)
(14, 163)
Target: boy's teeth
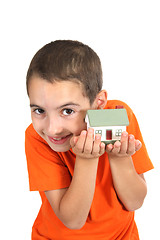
(57, 139)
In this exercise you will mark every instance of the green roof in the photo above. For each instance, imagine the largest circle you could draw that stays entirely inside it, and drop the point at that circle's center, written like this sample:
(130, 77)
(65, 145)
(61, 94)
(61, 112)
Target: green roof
(108, 117)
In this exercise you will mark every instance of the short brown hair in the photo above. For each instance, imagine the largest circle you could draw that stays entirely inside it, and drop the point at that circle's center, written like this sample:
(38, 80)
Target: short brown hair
(68, 60)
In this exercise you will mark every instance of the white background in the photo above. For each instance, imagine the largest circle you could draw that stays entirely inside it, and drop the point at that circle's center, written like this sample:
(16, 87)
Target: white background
(126, 36)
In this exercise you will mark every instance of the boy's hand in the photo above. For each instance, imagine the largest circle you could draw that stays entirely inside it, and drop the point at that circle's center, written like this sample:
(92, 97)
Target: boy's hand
(85, 146)
(126, 147)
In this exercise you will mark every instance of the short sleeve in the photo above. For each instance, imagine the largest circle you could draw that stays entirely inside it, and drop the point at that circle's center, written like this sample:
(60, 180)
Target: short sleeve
(46, 170)
(141, 160)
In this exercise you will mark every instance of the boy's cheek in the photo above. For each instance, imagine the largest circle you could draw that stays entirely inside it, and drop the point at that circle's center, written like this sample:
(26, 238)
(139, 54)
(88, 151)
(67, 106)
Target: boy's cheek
(37, 127)
(80, 127)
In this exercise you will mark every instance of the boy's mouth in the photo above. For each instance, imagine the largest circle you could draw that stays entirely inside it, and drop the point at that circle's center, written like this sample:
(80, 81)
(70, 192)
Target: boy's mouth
(59, 140)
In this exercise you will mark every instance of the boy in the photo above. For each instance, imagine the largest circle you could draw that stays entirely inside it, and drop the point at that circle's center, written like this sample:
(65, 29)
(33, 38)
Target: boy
(88, 190)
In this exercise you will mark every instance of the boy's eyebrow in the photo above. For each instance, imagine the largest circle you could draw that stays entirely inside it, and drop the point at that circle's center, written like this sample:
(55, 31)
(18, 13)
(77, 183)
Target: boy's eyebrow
(34, 105)
(64, 105)
(69, 104)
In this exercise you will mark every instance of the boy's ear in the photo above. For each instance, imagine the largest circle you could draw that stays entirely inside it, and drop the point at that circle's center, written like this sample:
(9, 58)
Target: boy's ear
(101, 100)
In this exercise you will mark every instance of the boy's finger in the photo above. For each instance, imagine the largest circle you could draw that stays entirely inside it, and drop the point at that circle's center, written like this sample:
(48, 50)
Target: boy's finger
(96, 144)
(81, 141)
(109, 148)
(102, 148)
(124, 143)
(116, 147)
(138, 145)
(89, 141)
(131, 145)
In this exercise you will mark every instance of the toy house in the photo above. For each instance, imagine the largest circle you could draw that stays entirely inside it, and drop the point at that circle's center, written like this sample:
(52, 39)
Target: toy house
(110, 123)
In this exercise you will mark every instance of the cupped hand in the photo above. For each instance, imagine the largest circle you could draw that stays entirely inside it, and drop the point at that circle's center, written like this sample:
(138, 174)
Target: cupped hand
(126, 147)
(86, 146)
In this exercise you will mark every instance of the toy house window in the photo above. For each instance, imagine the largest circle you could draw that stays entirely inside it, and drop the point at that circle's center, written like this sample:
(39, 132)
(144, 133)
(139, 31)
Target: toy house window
(98, 132)
(118, 132)
(108, 134)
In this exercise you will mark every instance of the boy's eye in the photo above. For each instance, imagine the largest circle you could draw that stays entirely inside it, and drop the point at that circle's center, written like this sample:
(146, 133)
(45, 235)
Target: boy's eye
(39, 111)
(67, 112)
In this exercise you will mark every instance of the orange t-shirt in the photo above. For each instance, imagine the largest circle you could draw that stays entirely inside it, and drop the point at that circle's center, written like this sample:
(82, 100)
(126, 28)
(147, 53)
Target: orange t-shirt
(49, 170)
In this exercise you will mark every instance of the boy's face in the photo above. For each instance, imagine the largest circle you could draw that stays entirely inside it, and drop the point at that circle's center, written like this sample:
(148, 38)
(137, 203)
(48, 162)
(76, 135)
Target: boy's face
(58, 111)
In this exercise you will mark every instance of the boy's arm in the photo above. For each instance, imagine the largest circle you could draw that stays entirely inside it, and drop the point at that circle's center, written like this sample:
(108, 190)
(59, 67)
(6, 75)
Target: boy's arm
(72, 205)
(130, 186)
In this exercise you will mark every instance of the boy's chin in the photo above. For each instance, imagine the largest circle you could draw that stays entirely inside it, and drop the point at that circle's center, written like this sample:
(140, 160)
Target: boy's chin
(60, 148)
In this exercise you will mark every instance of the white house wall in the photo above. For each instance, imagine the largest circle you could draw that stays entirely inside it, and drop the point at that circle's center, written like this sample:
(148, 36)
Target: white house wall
(113, 128)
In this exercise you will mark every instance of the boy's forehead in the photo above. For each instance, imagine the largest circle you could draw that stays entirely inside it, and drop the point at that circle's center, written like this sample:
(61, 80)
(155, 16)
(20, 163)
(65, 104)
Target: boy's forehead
(56, 93)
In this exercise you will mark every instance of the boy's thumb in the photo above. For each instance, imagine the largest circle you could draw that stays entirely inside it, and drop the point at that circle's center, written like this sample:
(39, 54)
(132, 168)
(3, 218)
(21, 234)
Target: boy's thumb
(73, 141)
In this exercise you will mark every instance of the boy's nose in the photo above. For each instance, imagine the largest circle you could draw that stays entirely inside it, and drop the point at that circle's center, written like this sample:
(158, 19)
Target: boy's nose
(54, 127)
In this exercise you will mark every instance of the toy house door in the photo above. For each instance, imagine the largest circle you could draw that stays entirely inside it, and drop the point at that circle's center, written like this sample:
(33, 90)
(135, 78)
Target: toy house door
(108, 134)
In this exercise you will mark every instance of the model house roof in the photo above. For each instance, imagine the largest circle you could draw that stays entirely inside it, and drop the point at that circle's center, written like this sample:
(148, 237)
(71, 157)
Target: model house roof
(107, 117)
